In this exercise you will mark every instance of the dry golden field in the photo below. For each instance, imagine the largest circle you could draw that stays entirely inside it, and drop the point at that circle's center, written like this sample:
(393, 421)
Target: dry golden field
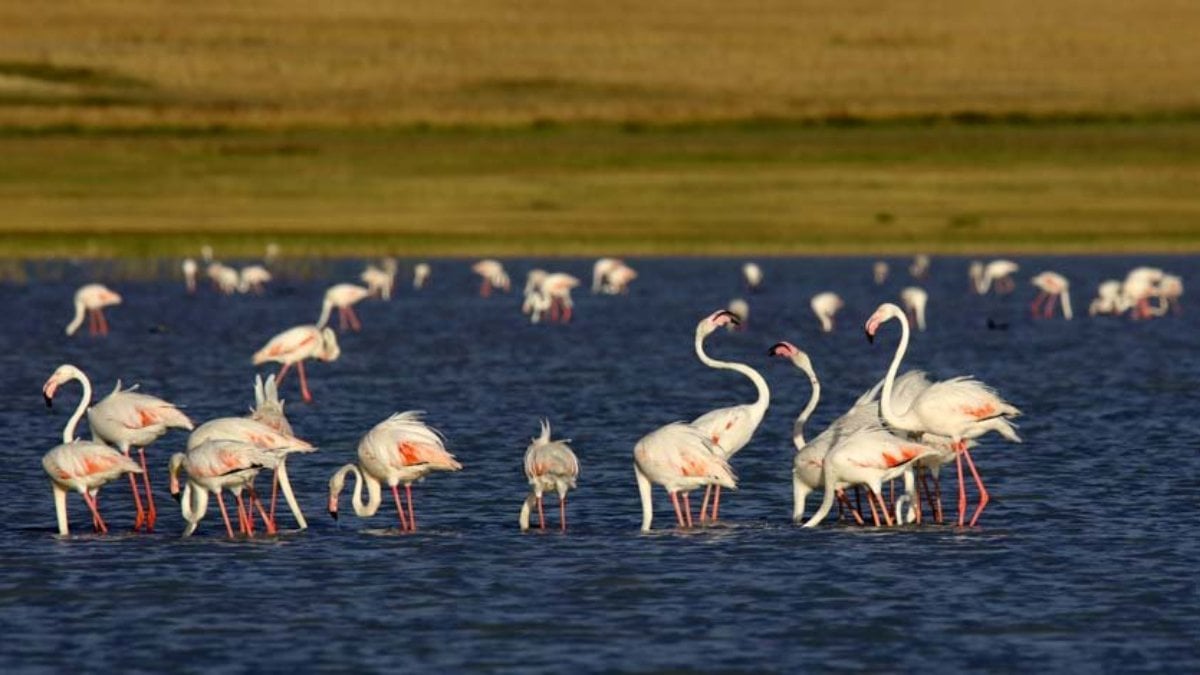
(273, 63)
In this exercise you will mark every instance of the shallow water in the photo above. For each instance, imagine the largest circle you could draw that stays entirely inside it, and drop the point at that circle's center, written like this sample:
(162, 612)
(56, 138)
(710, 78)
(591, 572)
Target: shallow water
(1085, 559)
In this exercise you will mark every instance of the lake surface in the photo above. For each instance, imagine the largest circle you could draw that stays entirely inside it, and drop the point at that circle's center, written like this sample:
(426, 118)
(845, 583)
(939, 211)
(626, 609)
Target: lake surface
(1085, 560)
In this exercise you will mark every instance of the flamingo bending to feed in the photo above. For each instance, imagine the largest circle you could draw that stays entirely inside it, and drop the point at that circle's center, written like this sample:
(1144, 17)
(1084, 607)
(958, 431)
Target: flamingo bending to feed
(398, 451)
(1139, 286)
(82, 466)
(294, 345)
(557, 287)
(1051, 286)
(224, 278)
(344, 297)
(680, 458)
(253, 278)
(914, 300)
(93, 298)
(826, 306)
(421, 272)
(919, 269)
(380, 280)
(600, 271)
(960, 408)
(880, 272)
(215, 465)
(494, 277)
(1170, 289)
(998, 273)
(549, 466)
(189, 274)
(124, 419)
(619, 280)
(753, 276)
(1108, 299)
(729, 429)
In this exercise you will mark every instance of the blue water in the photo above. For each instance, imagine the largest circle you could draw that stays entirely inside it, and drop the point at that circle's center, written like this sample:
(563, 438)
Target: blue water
(1085, 560)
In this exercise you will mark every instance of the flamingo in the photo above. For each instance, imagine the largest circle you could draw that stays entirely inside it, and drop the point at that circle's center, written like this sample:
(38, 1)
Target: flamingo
(253, 278)
(125, 419)
(919, 269)
(826, 306)
(224, 278)
(960, 408)
(534, 279)
(344, 297)
(1051, 285)
(731, 428)
(294, 345)
(557, 287)
(600, 271)
(914, 300)
(93, 298)
(549, 465)
(1170, 289)
(1108, 299)
(215, 465)
(753, 275)
(741, 309)
(1139, 285)
(399, 450)
(421, 274)
(680, 458)
(998, 273)
(975, 273)
(619, 280)
(82, 466)
(380, 280)
(880, 271)
(189, 274)
(494, 276)
(272, 252)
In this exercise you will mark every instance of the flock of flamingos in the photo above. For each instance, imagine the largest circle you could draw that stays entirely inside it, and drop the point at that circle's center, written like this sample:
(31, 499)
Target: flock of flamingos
(904, 428)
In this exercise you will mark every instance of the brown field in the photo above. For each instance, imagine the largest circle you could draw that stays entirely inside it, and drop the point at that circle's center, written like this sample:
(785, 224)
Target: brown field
(368, 62)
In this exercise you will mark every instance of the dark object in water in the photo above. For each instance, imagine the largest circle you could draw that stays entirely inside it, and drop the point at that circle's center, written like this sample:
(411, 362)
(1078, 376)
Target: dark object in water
(996, 325)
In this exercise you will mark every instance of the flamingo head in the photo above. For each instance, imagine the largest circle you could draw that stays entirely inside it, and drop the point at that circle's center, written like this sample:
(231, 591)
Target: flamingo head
(721, 317)
(110, 297)
(173, 469)
(885, 312)
(330, 351)
(790, 351)
(62, 374)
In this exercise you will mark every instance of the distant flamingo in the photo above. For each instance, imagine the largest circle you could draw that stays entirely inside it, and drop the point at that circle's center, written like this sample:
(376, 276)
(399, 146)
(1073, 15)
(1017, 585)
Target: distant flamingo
(1108, 299)
(998, 273)
(741, 309)
(975, 274)
(753, 276)
(619, 280)
(224, 278)
(549, 466)
(380, 280)
(189, 274)
(344, 297)
(82, 466)
(294, 345)
(494, 276)
(600, 271)
(880, 272)
(914, 299)
(680, 458)
(1170, 289)
(1051, 286)
(93, 298)
(399, 450)
(731, 428)
(125, 419)
(826, 306)
(919, 269)
(253, 278)
(421, 272)
(960, 408)
(557, 286)
(213, 466)
(1138, 287)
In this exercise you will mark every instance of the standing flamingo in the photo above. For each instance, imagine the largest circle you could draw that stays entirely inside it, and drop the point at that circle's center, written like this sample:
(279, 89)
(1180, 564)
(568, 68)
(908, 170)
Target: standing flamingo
(294, 345)
(680, 458)
(380, 280)
(1138, 287)
(421, 272)
(998, 273)
(914, 299)
(826, 306)
(919, 269)
(399, 450)
(960, 408)
(619, 280)
(125, 419)
(93, 298)
(344, 297)
(215, 465)
(600, 271)
(224, 278)
(189, 274)
(729, 429)
(549, 466)
(880, 272)
(82, 466)
(494, 277)
(753, 275)
(253, 278)
(1051, 286)
(1108, 299)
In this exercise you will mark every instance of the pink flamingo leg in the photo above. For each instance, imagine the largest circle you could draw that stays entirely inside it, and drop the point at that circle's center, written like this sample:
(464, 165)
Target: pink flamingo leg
(704, 503)
(355, 324)
(541, 515)
(140, 518)
(678, 512)
(412, 515)
(1034, 306)
(687, 510)
(95, 508)
(485, 289)
(282, 372)
(244, 525)
(303, 384)
(870, 503)
(983, 493)
(562, 513)
(103, 322)
(93, 327)
(962, 491)
(844, 500)
(268, 521)
(224, 514)
(716, 502)
(887, 517)
(399, 508)
(567, 313)
(151, 512)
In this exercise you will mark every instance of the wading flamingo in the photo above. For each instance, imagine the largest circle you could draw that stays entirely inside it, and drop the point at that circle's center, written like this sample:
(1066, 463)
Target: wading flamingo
(82, 466)
(213, 466)
(398, 451)
(914, 299)
(880, 272)
(224, 278)
(997, 273)
(960, 408)
(253, 278)
(1139, 286)
(125, 419)
(294, 345)
(557, 287)
(344, 297)
(494, 277)
(1108, 299)
(1051, 286)
(919, 269)
(729, 429)
(380, 280)
(550, 466)
(189, 274)
(826, 306)
(421, 273)
(600, 271)
(741, 309)
(619, 280)
(93, 298)
(1170, 289)
(753, 275)
(680, 458)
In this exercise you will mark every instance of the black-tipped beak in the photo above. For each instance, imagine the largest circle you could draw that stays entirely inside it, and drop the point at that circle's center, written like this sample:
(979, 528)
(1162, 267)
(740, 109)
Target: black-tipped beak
(177, 496)
(333, 514)
(49, 401)
(870, 337)
(774, 350)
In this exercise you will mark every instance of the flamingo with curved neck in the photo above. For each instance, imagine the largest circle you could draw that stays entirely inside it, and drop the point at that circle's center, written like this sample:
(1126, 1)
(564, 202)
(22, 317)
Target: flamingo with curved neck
(731, 428)
(374, 491)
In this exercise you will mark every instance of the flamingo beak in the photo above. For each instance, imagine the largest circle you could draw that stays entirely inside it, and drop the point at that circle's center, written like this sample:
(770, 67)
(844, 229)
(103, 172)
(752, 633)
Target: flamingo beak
(333, 514)
(49, 400)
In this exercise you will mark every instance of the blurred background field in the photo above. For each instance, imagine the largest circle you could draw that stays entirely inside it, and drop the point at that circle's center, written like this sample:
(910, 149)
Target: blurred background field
(468, 127)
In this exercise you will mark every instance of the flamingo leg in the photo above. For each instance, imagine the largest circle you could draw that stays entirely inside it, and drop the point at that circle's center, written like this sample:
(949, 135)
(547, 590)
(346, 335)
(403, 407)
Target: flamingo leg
(917, 503)
(412, 515)
(303, 383)
(716, 502)
(887, 516)
(687, 510)
(874, 515)
(843, 499)
(1033, 308)
(282, 372)
(678, 512)
(151, 512)
(983, 493)
(541, 514)
(567, 312)
(224, 514)
(268, 521)
(95, 508)
(93, 326)
(962, 491)
(937, 493)
(140, 518)
(485, 289)
(704, 503)
(355, 324)
(103, 322)
(274, 495)
(562, 513)
(400, 508)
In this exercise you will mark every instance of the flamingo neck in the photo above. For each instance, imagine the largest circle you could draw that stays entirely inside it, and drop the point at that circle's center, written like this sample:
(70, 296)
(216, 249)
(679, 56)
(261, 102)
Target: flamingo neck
(326, 307)
(77, 321)
(68, 434)
(900, 421)
(374, 493)
(813, 399)
(644, 491)
(760, 385)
